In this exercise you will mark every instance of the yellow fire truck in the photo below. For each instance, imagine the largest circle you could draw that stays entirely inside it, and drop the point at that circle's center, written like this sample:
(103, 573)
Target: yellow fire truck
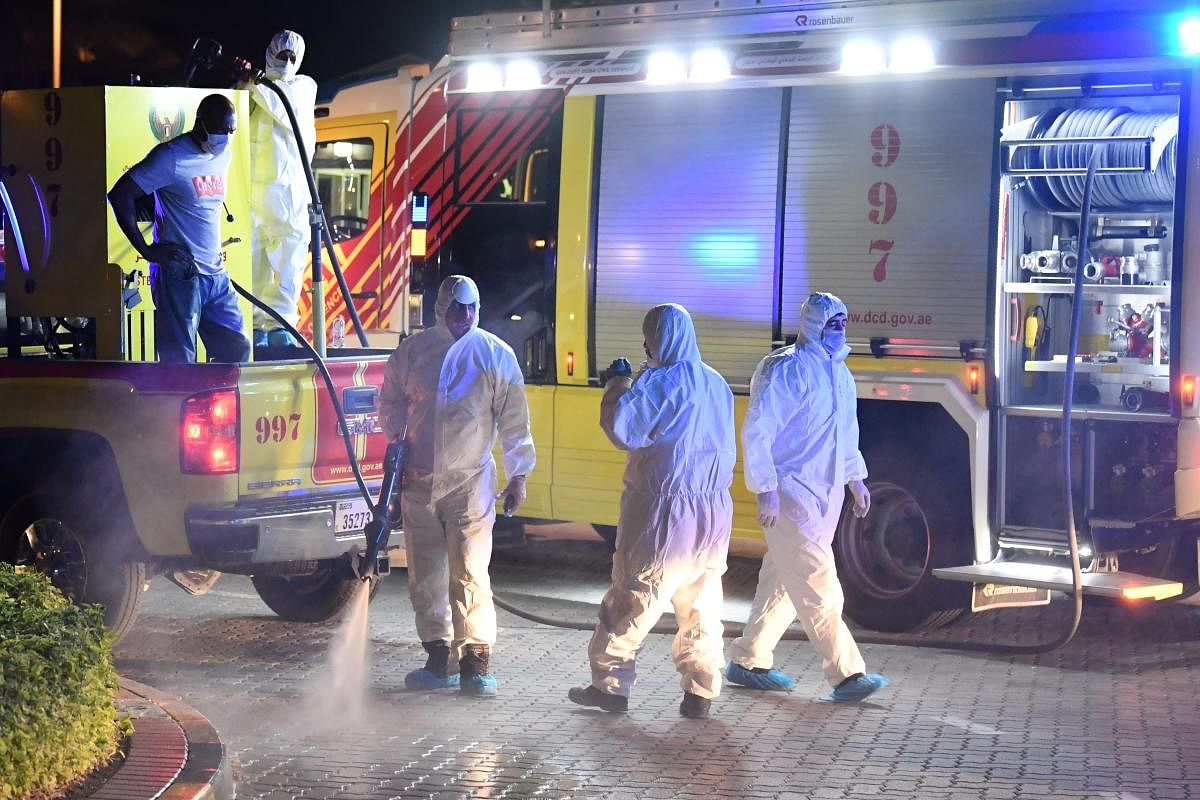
(923, 160)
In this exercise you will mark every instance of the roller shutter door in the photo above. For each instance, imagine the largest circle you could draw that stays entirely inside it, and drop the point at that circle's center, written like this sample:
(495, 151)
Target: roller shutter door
(687, 214)
(895, 171)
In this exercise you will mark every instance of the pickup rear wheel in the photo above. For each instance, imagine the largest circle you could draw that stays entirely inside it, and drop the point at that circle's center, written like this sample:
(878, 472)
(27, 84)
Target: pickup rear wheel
(317, 597)
(46, 534)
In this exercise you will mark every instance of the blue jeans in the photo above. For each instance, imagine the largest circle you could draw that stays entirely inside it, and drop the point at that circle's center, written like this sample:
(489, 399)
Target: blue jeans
(204, 304)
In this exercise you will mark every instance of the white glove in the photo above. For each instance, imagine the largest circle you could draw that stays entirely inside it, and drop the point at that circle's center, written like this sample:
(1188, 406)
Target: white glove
(768, 509)
(862, 498)
(514, 495)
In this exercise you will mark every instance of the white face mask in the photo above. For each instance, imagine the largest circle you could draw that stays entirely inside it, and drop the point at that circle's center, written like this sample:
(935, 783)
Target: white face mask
(833, 340)
(214, 143)
(280, 70)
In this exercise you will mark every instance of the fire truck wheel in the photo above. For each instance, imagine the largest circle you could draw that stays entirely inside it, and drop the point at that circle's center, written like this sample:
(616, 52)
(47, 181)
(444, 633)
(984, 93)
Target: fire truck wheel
(885, 560)
(46, 534)
(317, 597)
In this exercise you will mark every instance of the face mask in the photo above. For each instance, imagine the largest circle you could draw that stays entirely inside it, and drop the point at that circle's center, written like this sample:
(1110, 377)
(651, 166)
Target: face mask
(281, 69)
(833, 340)
(214, 143)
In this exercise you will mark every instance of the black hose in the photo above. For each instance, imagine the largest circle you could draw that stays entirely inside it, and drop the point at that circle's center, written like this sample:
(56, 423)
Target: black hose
(316, 201)
(733, 630)
(324, 370)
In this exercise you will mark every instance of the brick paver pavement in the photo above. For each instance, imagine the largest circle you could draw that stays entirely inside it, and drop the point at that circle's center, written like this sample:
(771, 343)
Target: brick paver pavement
(1116, 714)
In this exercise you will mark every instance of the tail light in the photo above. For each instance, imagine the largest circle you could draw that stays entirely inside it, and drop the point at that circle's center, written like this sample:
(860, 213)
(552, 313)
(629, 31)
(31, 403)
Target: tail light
(1187, 391)
(973, 378)
(208, 433)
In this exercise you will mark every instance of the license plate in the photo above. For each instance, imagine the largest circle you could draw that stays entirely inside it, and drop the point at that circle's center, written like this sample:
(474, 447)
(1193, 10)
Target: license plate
(351, 515)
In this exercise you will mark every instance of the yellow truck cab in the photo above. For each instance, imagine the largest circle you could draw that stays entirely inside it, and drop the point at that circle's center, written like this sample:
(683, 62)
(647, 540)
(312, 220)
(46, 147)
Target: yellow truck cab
(116, 467)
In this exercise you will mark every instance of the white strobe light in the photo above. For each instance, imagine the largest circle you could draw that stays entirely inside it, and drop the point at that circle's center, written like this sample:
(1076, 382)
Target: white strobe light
(483, 76)
(862, 57)
(664, 67)
(912, 54)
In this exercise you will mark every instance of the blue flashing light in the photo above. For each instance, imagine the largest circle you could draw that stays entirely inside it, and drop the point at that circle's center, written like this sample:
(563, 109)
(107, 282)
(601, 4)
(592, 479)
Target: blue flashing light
(1188, 30)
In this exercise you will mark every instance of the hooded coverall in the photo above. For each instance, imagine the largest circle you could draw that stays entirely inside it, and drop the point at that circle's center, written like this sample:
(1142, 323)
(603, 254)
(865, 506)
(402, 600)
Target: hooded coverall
(448, 399)
(800, 438)
(279, 195)
(676, 422)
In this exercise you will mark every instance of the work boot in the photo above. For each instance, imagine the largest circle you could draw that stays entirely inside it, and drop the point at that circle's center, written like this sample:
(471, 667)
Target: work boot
(694, 706)
(591, 696)
(434, 675)
(473, 671)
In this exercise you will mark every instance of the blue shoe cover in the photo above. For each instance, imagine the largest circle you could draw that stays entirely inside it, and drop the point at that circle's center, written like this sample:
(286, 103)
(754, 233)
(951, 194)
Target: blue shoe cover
(280, 337)
(858, 689)
(422, 680)
(771, 680)
(261, 338)
(479, 686)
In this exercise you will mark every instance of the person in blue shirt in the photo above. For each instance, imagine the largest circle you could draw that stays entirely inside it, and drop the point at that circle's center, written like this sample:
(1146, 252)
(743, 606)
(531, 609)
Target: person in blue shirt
(188, 281)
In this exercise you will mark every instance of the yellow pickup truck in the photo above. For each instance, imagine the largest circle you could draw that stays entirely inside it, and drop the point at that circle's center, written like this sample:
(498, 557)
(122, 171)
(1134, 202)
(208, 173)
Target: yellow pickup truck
(117, 468)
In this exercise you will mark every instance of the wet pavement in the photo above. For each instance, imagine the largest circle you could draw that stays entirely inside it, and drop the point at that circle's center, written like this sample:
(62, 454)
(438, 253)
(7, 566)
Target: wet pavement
(1115, 714)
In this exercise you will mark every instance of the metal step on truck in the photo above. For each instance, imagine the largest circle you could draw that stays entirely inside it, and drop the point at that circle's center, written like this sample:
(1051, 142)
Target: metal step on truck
(117, 468)
(925, 161)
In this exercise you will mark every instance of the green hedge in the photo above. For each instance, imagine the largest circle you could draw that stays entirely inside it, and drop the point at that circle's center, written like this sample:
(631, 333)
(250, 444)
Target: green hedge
(57, 681)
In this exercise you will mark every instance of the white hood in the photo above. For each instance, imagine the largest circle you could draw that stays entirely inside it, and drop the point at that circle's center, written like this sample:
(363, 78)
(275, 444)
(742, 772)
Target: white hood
(670, 335)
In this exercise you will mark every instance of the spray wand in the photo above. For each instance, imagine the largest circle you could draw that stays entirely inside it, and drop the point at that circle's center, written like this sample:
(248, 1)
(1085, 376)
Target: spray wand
(371, 564)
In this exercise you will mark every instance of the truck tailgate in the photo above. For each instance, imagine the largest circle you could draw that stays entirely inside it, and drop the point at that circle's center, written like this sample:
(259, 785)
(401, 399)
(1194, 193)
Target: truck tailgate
(291, 442)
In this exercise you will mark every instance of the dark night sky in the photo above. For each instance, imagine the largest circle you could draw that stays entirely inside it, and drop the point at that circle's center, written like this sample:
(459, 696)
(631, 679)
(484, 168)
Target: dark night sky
(104, 41)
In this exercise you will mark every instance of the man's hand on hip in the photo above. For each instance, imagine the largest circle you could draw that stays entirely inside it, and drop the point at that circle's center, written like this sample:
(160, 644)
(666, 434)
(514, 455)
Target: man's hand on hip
(862, 498)
(768, 509)
(173, 257)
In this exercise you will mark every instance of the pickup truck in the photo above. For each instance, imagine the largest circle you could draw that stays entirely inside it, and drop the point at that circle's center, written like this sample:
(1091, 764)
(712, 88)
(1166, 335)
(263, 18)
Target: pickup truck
(117, 468)
(115, 472)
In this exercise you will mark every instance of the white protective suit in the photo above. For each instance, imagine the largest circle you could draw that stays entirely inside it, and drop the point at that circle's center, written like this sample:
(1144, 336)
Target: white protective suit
(448, 398)
(676, 421)
(279, 195)
(800, 438)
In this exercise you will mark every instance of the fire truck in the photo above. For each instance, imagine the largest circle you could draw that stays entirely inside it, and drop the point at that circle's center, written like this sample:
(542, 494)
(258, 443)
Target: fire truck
(926, 161)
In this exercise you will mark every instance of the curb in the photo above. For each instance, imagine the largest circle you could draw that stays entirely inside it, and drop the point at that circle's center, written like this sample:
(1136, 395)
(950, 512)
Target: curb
(175, 753)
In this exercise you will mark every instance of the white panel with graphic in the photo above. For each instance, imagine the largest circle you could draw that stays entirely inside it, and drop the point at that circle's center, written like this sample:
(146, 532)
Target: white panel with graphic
(887, 205)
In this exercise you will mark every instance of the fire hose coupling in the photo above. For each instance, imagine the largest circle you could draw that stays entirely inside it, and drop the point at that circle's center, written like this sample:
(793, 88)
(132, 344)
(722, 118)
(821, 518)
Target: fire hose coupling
(1049, 261)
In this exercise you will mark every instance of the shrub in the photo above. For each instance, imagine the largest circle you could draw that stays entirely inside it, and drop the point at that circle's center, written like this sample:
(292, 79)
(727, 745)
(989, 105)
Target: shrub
(57, 681)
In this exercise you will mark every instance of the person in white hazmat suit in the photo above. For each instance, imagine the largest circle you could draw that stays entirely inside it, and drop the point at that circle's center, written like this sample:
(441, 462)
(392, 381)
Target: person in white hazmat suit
(676, 422)
(800, 452)
(279, 196)
(447, 392)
